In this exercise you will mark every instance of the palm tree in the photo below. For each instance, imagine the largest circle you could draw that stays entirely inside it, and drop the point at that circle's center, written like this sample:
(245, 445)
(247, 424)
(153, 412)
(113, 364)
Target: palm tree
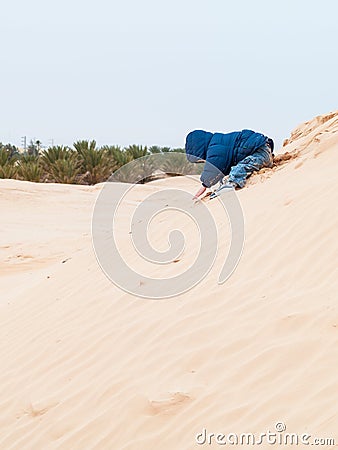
(95, 165)
(145, 166)
(29, 168)
(60, 164)
(8, 171)
(4, 157)
(8, 168)
(11, 150)
(66, 170)
(116, 156)
(55, 153)
(137, 151)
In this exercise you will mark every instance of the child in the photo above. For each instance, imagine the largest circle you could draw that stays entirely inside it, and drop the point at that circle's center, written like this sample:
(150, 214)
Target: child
(236, 154)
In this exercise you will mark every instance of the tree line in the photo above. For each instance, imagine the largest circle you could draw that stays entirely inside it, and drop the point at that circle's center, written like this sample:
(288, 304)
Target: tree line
(86, 163)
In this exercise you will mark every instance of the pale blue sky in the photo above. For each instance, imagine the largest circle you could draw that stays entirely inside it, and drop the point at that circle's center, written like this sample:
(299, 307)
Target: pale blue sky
(148, 72)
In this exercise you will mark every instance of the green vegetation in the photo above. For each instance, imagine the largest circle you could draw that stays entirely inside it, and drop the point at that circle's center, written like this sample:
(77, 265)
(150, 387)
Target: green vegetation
(8, 157)
(61, 165)
(29, 168)
(88, 164)
(95, 165)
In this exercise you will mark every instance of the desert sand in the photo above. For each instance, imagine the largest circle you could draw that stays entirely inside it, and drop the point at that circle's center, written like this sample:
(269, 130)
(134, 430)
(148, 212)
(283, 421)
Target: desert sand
(85, 365)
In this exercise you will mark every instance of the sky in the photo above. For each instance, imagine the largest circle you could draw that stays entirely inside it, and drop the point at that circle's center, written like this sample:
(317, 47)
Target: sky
(148, 72)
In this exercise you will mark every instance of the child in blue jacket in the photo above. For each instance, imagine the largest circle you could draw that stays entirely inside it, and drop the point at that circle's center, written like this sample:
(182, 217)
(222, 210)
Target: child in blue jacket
(236, 154)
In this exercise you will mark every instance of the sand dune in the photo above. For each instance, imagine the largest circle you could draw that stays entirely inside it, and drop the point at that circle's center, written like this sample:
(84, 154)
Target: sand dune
(85, 365)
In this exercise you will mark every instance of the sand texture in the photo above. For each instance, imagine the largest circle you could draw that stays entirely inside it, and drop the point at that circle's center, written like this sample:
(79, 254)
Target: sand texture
(85, 365)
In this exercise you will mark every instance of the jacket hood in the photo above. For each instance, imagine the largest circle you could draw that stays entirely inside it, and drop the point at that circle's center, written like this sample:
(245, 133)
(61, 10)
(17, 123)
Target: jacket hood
(196, 145)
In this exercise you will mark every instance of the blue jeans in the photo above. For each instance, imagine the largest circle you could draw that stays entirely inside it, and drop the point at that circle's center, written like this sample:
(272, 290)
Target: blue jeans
(262, 157)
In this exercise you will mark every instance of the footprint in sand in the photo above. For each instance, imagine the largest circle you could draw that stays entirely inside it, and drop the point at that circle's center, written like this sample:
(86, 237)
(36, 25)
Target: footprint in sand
(168, 405)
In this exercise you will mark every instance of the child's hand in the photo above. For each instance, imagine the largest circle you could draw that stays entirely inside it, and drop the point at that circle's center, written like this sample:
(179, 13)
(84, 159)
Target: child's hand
(199, 193)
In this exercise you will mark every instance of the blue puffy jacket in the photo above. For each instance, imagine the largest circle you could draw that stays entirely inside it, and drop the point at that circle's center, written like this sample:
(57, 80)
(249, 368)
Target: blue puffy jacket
(221, 151)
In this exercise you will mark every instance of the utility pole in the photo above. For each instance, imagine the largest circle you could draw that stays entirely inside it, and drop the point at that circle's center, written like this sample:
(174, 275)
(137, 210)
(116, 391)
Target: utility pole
(24, 142)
